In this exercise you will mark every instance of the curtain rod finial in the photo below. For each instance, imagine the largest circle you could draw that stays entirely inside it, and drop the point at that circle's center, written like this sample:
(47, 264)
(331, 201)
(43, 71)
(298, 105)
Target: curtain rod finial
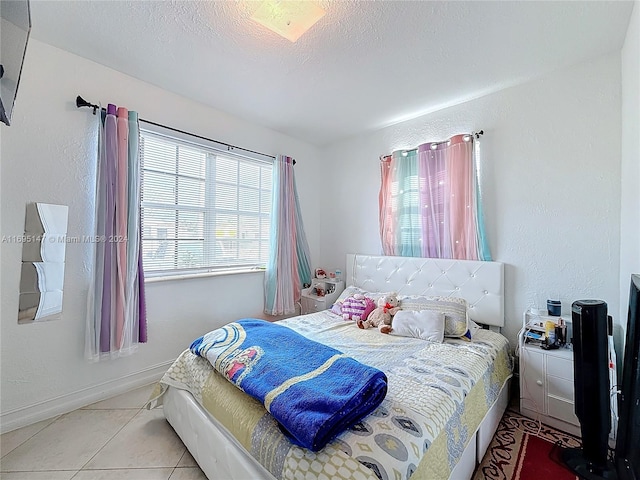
(81, 102)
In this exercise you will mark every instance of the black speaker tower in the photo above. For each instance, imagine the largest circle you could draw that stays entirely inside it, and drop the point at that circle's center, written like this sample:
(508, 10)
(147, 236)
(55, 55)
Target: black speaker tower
(591, 383)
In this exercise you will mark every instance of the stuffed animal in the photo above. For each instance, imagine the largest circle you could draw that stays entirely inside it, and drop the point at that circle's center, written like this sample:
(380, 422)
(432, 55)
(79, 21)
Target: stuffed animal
(356, 307)
(382, 316)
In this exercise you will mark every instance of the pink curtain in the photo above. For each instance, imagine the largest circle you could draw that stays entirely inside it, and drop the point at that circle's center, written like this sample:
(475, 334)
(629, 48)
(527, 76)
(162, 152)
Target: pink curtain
(387, 210)
(447, 207)
(289, 265)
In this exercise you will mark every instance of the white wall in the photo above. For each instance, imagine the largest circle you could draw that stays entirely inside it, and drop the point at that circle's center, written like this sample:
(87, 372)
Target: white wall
(48, 156)
(630, 183)
(550, 178)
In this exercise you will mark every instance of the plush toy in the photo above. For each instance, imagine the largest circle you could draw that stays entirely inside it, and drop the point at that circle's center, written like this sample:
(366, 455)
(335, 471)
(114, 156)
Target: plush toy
(356, 307)
(381, 317)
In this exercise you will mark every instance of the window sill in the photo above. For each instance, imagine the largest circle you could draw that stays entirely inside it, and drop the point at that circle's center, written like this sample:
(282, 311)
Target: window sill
(187, 276)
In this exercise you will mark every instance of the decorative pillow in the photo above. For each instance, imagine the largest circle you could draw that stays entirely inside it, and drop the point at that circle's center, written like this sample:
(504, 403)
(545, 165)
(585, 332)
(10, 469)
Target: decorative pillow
(471, 332)
(357, 307)
(454, 309)
(424, 324)
(350, 291)
(336, 308)
(473, 328)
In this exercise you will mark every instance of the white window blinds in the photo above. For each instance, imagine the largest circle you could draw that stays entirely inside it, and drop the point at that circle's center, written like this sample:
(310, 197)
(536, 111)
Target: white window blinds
(202, 209)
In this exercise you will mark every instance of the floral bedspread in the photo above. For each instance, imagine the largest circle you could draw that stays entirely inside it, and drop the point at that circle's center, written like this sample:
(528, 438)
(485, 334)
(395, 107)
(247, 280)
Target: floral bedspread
(438, 394)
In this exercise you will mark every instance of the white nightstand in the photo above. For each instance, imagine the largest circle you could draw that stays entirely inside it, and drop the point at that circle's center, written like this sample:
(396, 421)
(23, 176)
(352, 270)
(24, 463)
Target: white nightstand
(311, 302)
(546, 387)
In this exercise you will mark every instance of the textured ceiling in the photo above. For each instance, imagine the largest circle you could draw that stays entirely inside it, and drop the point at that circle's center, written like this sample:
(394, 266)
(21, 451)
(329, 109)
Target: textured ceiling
(363, 66)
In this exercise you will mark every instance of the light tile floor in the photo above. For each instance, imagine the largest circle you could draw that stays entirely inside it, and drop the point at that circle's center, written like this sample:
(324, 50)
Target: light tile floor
(115, 439)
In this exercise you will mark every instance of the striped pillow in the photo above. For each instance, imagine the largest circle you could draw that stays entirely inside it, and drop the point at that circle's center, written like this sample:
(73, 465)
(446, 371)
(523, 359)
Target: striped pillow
(454, 309)
(358, 308)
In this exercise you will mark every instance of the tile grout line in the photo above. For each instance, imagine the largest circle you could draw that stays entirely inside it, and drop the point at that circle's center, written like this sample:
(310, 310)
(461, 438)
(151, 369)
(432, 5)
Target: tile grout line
(112, 437)
(56, 418)
(29, 438)
(76, 472)
(99, 450)
(182, 456)
(179, 460)
(120, 468)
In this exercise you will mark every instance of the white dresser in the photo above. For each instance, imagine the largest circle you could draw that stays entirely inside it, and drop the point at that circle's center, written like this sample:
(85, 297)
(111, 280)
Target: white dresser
(546, 387)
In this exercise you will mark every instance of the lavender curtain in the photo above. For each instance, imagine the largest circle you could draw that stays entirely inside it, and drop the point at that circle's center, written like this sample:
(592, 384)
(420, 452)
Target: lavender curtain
(430, 202)
(116, 317)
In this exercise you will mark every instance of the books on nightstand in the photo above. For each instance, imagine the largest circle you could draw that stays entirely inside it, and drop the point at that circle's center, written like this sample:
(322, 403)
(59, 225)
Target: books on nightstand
(546, 331)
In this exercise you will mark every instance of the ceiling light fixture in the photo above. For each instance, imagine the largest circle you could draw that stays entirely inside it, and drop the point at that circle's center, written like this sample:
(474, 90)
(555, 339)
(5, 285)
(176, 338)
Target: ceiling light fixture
(288, 18)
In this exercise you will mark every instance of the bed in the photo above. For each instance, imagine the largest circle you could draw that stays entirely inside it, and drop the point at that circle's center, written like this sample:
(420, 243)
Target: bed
(443, 404)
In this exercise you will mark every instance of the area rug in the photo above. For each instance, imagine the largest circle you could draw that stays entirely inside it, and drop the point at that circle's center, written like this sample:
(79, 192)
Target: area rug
(523, 449)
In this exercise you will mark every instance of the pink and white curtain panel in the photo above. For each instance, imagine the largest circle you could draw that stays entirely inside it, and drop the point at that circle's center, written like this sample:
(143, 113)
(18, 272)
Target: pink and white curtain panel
(116, 317)
(430, 202)
(289, 265)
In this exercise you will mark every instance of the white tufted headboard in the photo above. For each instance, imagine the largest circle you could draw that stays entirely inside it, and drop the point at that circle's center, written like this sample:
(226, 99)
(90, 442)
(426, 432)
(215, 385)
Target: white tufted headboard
(480, 283)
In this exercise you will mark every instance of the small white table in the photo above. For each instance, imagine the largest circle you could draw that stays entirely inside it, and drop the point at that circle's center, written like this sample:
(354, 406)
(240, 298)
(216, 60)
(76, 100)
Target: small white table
(311, 302)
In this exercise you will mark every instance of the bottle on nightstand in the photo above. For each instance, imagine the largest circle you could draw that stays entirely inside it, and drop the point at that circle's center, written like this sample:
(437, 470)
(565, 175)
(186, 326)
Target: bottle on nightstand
(546, 331)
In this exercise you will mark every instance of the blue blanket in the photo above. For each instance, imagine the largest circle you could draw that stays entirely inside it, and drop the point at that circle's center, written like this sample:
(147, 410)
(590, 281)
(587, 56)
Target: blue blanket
(314, 391)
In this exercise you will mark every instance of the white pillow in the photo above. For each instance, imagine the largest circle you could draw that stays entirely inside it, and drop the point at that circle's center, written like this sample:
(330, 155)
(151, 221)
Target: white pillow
(424, 324)
(351, 290)
(454, 308)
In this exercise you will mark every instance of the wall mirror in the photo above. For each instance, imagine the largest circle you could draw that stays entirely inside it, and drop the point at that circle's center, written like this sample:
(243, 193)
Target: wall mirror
(43, 252)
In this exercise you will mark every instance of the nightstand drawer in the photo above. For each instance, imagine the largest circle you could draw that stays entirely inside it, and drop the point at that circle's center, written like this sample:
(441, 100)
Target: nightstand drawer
(562, 410)
(320, 304)
(560, 387)
(312, 304)
(560, 367)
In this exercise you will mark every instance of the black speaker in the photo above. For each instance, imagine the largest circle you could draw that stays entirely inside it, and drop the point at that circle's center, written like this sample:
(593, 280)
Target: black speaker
(591, 383)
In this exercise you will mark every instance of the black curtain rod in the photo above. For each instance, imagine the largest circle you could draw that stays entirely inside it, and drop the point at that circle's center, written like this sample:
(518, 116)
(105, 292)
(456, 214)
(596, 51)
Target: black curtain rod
(81, 102)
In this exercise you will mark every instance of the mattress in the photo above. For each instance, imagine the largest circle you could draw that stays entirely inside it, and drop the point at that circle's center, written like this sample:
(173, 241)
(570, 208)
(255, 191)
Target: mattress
(438, 393)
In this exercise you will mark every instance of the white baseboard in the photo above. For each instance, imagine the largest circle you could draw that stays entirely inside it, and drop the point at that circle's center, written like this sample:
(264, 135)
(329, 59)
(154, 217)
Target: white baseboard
(36, 412)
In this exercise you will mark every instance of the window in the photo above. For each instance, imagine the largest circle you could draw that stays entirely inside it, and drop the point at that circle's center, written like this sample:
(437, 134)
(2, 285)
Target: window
(202, 209)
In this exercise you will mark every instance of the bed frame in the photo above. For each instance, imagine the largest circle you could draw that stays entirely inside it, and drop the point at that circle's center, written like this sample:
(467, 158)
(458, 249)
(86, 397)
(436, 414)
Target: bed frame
(480, 283)
(220, 455)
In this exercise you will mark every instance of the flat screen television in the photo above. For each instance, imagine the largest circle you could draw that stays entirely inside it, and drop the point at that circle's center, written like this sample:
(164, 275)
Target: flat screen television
(15, 27)
(627, 454)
